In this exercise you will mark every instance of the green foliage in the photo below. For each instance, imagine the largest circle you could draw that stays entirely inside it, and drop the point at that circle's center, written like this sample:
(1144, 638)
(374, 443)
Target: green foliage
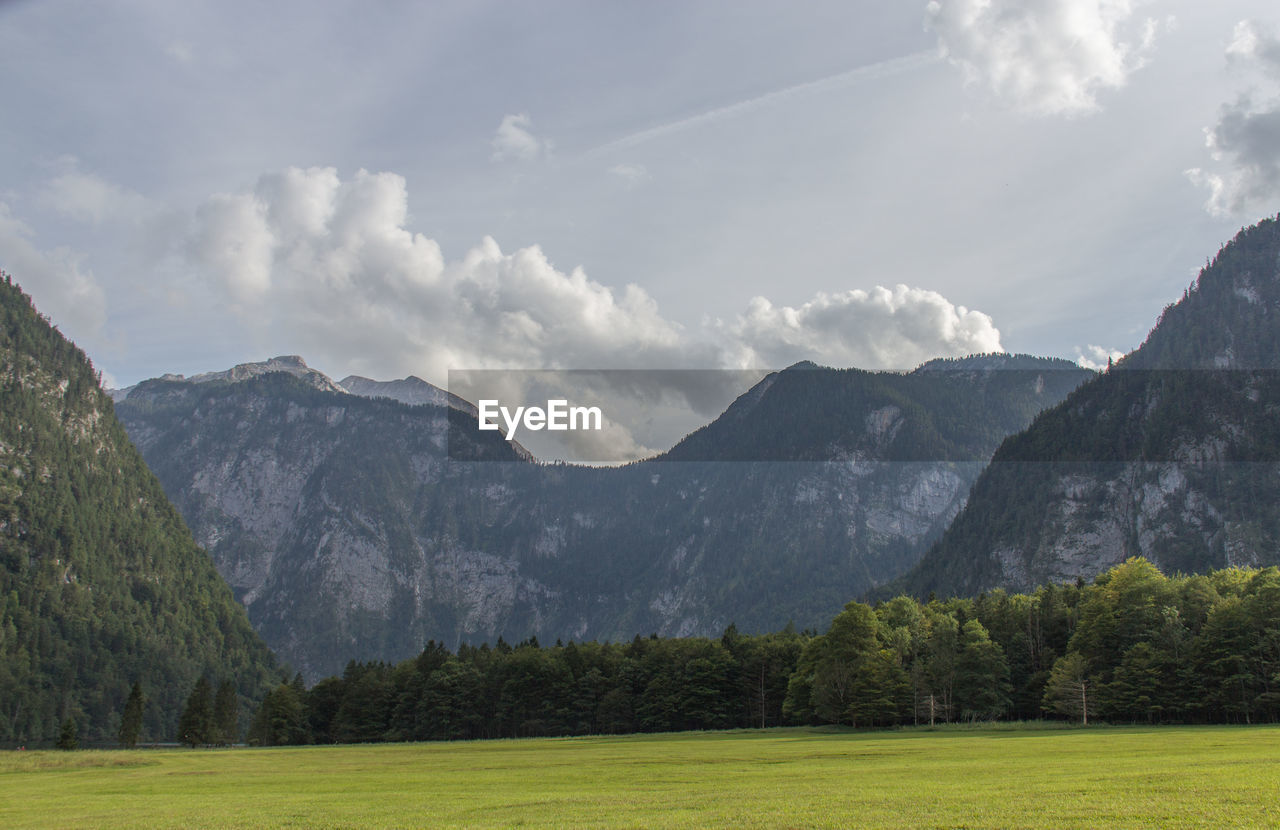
(196, 725)
(68, 735)
(1071, 690)
(101, 585)
(226, 715)
(131, 720)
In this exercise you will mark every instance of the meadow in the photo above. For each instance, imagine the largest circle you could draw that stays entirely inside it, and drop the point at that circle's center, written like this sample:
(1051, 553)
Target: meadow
(1010, 776)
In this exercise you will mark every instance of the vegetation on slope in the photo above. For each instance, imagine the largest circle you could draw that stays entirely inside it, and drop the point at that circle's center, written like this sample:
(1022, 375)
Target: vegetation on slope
(1173, 454)
(101, 585)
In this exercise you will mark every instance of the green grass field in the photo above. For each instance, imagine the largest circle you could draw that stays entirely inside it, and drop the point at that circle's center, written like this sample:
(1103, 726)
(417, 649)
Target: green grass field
(1002, 777)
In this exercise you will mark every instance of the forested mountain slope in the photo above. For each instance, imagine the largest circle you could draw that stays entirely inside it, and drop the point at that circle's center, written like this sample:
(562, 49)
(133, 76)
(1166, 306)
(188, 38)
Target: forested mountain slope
(101, 584)
(1173, 455)
(350, 533)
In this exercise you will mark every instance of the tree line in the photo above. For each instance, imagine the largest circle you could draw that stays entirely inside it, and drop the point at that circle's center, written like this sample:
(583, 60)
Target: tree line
(1133, 646)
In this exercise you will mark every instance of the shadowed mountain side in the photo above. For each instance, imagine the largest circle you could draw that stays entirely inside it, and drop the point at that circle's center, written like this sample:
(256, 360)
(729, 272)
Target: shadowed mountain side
(1174, 455)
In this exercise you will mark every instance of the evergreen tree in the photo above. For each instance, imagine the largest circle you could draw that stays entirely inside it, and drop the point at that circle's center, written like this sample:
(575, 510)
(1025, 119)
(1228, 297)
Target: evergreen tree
(68, 736)
(131, 720)
(226, 714)
(195, 727)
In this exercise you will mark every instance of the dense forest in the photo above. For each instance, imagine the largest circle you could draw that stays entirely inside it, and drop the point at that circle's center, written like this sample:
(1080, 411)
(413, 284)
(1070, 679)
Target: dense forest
(1133, 646)
(104, 596)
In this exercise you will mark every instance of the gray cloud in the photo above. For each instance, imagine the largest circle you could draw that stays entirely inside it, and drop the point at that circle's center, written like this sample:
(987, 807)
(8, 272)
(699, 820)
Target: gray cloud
(1047, 57)
(69, 294)
(89, 198)
(1245, 142)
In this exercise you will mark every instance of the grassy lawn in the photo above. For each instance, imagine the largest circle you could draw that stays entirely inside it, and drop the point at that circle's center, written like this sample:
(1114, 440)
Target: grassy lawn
(1005, 777)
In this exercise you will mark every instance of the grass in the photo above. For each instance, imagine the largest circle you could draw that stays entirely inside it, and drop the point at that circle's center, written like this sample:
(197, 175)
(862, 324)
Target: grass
(1027, 777)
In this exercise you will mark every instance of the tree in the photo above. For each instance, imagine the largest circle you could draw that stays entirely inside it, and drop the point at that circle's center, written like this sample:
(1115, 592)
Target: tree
(131, 720)
(1070, 688)
(981, 674)
(68, 736)
(281, 719)
(195, 727)
(226, 714)
(846, 676)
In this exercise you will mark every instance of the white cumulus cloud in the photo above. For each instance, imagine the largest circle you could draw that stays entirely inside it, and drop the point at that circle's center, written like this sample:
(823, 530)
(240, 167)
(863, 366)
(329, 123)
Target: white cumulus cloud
(331, 264)
(1245, 142)
(1047, 57)
(327, 266)
(514, 140)
(883, 328)
(1096, 357)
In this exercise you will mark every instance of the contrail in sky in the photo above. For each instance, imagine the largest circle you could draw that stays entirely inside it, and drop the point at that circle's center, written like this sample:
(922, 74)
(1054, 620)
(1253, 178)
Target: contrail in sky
(871, 72)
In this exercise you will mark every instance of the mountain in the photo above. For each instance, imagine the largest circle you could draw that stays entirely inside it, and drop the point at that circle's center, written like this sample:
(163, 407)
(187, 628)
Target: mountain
(349, 532)
(101, 584)
(1172, 455)
(288, 364)
(412, 390)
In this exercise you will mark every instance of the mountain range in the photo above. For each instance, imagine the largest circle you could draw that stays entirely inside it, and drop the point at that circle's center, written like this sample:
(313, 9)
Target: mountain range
(350, 530)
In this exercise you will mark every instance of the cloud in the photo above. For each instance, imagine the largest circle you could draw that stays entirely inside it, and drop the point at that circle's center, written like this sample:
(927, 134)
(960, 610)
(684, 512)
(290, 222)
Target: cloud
(882, 328)
(1046, 57)
(871, 72)
(1096, 357)
(91, 199)
(71, 297)
(1245, 142)
(515, 141)
(1255, 43)
(632, 175)
(329, 264)
(326, 266)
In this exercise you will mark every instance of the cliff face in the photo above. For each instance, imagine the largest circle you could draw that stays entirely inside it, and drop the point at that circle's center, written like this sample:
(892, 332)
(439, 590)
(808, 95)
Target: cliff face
(349, 532)
(1173, 455)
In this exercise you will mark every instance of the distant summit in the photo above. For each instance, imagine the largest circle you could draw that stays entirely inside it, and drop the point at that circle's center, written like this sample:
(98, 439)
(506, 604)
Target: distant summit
(412, 390)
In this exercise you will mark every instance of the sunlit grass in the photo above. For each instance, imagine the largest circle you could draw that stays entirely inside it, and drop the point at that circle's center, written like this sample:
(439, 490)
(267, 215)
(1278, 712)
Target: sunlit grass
(1027, 777)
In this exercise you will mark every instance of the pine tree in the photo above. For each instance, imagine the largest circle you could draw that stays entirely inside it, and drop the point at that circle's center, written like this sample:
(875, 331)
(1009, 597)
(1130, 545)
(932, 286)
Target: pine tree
(226, 715)
(195, 727)
(68, 736)
(131, 721)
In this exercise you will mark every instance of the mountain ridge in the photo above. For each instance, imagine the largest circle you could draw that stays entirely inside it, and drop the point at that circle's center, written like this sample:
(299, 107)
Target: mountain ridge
(1171, 455)
(351, 533)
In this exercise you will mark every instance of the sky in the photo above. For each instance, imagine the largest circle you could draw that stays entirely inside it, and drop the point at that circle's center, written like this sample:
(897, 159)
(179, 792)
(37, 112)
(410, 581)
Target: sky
(395, 188)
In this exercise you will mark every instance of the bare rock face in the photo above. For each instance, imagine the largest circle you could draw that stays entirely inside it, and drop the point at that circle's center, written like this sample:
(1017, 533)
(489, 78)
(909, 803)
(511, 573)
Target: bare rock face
(1173, 455)
(348, 531)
